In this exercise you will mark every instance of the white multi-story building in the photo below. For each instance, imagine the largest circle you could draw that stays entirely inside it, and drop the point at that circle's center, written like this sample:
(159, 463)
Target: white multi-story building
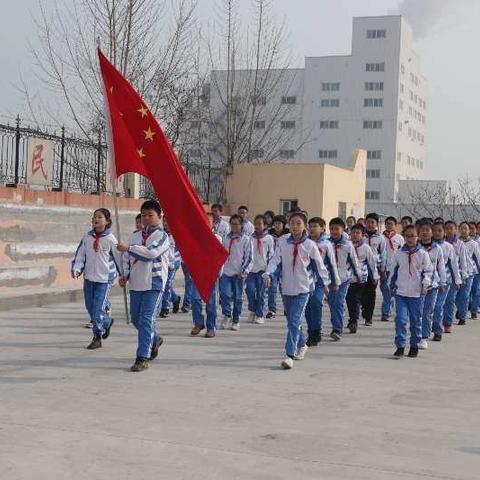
(374, 99)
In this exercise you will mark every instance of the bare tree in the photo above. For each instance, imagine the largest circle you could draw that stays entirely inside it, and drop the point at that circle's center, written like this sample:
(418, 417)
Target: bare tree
(149, 41)
(252, 114)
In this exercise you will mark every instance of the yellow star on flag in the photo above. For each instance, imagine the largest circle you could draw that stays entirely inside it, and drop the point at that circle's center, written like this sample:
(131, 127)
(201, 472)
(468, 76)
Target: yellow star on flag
(142, 111)
(140, 152)
(149, 134)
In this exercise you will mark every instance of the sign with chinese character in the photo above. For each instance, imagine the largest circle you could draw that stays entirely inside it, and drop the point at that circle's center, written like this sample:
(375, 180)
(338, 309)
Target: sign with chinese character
(40, 161)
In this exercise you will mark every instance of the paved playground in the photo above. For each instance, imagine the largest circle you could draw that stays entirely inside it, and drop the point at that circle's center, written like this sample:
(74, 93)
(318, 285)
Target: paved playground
(223, 409)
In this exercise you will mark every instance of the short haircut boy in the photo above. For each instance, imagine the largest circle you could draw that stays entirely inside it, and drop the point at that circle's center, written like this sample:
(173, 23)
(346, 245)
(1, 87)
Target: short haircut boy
(318, 221)
(391, 219)
(234, 217)
(337, 221)
(218, 206)
(260, 217)
(280, 218)
(360, 227)
(243, 207)
(151, 205)
(373, 216)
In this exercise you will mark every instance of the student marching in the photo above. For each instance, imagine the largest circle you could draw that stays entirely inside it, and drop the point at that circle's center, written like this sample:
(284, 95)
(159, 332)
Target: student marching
(428, 273)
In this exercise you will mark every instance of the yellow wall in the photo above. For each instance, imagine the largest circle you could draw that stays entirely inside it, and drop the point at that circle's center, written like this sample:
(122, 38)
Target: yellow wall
(317, 187)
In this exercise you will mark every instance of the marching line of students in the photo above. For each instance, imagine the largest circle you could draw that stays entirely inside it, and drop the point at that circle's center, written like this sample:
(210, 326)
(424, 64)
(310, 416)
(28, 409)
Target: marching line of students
(424, 273)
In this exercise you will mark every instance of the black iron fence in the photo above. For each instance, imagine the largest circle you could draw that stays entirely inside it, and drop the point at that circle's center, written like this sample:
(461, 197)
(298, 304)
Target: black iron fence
(80, 165)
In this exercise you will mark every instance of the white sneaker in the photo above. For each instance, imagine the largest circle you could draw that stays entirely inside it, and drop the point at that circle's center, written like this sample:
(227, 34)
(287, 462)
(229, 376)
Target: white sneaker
(301, 353)
(423, 345)
(259, 320)
(235, 327)
(287, 363)
(225, 322)
(251, 317)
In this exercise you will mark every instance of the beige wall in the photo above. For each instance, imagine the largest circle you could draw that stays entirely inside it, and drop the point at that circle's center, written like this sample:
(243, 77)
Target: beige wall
(317, 187)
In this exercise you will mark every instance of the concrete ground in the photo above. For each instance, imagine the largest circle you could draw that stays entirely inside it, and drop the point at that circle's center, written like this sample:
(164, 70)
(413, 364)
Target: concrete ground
(223, 409)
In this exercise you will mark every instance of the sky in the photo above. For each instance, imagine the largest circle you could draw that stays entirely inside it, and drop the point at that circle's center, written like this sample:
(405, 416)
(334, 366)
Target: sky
(447, 40)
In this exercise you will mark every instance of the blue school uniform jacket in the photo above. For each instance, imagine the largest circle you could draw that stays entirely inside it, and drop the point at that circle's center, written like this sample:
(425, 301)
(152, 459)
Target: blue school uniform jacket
(147, 259)
(379, 248)
(346, 259)
(452, 271)
(298, 264)
(366, 260)
(97, 265)
(240, 254)
(412, 270)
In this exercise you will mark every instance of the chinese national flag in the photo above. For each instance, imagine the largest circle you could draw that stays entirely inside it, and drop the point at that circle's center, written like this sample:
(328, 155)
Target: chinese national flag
(140, 146)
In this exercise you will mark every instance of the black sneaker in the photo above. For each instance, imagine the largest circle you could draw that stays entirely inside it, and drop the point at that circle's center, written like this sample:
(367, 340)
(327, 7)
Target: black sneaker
(413, 352)
(176, 305)
(462, 322)
(384, 318)
(352, 327)
(139, 366)
(457, 315)
(185, 309)
(399, 352)
(95, 343)
(335, 335)
(474, 316)
(437, 338)
(312, 340)
(368, 323)
(163, 313)
(106, 334)
(270, 315)
(156, 345)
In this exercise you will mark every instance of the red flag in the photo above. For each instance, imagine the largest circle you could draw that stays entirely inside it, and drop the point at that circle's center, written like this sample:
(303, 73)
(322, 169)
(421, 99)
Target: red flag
(139, 145)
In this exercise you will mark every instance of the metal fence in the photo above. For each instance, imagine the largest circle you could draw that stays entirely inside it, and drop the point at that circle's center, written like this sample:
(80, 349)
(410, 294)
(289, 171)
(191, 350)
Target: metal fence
(80, 165)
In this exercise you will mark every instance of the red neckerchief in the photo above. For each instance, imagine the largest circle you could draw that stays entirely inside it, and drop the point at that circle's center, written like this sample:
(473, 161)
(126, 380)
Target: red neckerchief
(96, 240)
(259, 242)
(356, 248)
(410, 253)
(145, 234)
(296, 243)
(259, 245)
(389, 236)
(232, 239)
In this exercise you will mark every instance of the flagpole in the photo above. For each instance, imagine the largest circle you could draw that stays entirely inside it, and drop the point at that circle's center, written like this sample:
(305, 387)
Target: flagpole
(111, 153)
(117, 224)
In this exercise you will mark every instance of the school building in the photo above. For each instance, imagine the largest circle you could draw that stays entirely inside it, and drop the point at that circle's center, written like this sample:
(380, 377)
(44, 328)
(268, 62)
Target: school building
(373, 98)
(319, 188)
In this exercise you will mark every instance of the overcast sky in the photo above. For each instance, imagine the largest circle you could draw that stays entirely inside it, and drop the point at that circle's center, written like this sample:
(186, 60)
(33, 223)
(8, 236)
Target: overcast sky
(448, 37)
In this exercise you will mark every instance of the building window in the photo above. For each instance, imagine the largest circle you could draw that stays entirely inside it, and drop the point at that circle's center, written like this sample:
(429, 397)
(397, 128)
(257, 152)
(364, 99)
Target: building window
(375, 67)
(402, 68)
(372, 124)
(399, 156)
(373, 86)
(374, 154)
(373, 173)
(327, 154)
(330, 102)
(258, 153)
(289, 100)
(331, 87)
(402, 88)
(376, 34)
(259, 124)
(287, 154)
(400, 126)
(342, 210)
(328, 123)
(287, 205)
(373, 102)
(259, 100)
(372, 195)
(287, 124)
